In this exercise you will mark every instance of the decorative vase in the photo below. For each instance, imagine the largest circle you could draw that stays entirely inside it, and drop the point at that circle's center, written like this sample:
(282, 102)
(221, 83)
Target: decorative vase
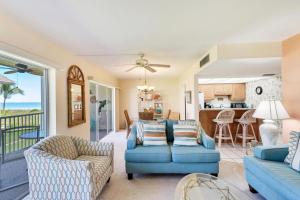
(269, 132)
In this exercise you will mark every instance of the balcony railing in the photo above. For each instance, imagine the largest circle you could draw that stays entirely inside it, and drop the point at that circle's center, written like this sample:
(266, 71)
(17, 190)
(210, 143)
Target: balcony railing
(18, 132)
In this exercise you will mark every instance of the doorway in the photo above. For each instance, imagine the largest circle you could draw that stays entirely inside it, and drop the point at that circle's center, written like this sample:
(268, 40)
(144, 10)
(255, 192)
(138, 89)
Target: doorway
(101, 111)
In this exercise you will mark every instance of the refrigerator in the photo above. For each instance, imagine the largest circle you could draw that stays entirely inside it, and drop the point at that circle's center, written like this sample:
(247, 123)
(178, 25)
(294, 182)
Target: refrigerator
(201, 100)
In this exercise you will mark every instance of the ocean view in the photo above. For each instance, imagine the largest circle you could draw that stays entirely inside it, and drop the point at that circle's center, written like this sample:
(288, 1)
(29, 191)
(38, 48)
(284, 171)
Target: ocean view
(22, 105)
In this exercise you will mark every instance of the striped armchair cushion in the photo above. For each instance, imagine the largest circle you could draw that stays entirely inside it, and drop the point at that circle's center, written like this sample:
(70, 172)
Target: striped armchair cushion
(154, 134)
(185, 135)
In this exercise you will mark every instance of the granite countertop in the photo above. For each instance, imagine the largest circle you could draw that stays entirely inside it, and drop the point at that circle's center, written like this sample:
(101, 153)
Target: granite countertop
(212, 109)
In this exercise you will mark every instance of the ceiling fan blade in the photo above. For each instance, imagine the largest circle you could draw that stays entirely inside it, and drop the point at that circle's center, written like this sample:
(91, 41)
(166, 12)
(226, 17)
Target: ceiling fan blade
(21, 66)
(159, 65)
(132, 68)
(35, 71)
(11, 72)
(122, 65)
(150, 69)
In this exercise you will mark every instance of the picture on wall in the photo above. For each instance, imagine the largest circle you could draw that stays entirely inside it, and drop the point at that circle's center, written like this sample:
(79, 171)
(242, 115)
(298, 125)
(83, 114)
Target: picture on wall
(188, 97)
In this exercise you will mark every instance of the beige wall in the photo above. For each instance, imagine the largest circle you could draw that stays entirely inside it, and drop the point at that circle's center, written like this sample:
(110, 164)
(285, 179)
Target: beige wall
(189, 81)
(291, 83)
(23, 41)
(167, 87)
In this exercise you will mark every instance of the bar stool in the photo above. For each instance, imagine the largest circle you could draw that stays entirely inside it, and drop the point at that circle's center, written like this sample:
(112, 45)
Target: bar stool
(223, 121)
(245, 121)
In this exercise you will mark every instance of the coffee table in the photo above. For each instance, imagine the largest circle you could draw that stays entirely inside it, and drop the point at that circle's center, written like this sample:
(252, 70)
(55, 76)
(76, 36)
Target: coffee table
(199, 186)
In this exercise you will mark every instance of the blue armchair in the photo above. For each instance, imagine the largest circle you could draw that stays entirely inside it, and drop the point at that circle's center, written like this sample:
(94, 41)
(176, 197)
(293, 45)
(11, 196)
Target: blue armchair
(267, 174)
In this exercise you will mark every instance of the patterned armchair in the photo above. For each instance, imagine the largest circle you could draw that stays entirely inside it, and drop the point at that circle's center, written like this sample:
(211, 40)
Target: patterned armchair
(64, 167)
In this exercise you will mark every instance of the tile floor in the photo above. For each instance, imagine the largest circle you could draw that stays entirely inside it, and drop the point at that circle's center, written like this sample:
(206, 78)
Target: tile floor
(230, 153)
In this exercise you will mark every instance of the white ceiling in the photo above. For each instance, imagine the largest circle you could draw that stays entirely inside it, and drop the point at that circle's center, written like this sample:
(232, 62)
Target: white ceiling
(242, 68)
(228, 80)
(171, 32)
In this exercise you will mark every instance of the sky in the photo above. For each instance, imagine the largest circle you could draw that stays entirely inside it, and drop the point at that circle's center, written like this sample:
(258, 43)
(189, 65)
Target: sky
(30, 84)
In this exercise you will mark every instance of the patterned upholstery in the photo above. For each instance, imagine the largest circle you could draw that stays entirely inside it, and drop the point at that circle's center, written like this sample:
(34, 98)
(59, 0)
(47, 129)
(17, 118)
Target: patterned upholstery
(61, 146)
(52, 175)
(293, 144)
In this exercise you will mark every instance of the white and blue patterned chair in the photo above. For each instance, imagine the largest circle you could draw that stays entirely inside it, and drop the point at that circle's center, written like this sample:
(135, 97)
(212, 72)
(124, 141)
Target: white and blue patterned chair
(69, 168)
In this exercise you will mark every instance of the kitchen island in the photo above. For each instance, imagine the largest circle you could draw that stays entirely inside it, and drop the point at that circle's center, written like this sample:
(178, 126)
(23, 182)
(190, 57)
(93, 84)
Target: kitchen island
(207, 115)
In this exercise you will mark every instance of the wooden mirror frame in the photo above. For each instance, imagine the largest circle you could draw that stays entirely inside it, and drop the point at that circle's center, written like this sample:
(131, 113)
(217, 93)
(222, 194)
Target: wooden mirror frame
(76, 77)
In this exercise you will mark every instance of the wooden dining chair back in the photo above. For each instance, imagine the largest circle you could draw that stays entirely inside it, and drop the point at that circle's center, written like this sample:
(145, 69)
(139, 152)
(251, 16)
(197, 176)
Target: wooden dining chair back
(174, 116)
(128, 122)
(146, 115)
(168, 114)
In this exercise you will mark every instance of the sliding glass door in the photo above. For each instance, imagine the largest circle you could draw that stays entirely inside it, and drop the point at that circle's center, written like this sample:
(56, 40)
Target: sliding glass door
(23, 120)
(101, 111)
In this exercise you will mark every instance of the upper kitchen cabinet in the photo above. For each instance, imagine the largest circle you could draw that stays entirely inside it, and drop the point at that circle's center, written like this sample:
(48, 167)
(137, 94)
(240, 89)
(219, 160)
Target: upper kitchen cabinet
(238, 92)
(208, 91)
(223, 89)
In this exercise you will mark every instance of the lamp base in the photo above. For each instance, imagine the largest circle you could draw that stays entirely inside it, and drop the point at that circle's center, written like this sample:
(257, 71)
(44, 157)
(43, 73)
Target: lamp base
(269, 132)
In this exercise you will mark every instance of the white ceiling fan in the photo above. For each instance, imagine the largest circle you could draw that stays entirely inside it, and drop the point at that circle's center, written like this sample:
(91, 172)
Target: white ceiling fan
(144, 63)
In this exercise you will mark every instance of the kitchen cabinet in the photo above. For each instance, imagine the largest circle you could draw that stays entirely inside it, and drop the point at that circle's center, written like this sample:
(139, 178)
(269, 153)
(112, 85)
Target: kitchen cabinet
(223, 89)
(238, 92)
(208, 91)
(235, 91)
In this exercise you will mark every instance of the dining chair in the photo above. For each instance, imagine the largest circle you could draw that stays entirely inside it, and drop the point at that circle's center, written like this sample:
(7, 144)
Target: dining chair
(128, 122)
(174, 116)
(168, 114)
(146, 115)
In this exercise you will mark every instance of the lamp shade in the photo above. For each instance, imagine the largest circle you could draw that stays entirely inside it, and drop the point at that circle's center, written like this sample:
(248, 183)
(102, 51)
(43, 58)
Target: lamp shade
(271, 109)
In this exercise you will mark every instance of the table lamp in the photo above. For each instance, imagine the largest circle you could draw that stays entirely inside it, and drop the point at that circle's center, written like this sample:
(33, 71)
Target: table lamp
(270, 110)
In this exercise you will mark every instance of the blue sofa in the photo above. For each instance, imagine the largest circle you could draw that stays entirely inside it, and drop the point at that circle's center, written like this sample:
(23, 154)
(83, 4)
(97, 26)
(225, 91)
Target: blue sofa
(171, 159)
(267, 174)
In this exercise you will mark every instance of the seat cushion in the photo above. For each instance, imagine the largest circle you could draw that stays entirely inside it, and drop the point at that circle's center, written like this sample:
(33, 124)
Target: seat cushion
(102, 163)
(277, 175)
(194, 154)
(156, 154)
(59, 145)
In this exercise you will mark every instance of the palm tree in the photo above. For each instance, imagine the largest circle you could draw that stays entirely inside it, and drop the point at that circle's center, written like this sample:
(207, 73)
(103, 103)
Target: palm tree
(7, 91)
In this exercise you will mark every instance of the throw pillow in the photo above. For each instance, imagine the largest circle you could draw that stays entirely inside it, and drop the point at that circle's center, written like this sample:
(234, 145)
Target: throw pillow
(293, 143)
(295, 164)
(139, 132)
(154, 134)
(193, 123)
(185, 135)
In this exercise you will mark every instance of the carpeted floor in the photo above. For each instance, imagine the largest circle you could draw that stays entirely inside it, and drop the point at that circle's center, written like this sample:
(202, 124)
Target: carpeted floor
(149, 186)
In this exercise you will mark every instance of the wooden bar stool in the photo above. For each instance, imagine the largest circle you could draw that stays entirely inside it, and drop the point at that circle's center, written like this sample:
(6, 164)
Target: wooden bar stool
(245, 122)
(223, 121)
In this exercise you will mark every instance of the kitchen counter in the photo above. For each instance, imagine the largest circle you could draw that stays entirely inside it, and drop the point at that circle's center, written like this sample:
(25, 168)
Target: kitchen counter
(207, 115)
(219, 109)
